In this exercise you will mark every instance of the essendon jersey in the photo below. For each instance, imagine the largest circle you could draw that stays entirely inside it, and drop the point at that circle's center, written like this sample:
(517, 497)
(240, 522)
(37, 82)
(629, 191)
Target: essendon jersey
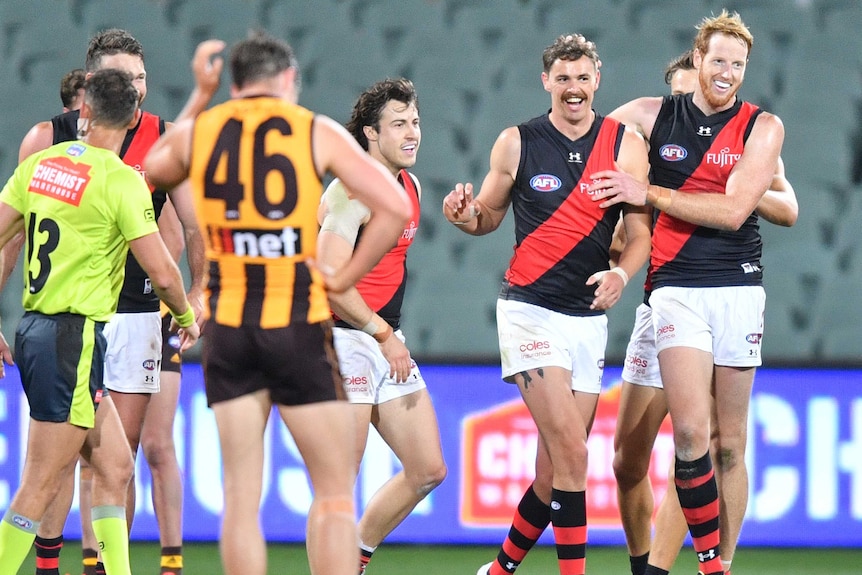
(383, 287)
(562, 236)
(137, 294)
(256, 193)
(691, 152)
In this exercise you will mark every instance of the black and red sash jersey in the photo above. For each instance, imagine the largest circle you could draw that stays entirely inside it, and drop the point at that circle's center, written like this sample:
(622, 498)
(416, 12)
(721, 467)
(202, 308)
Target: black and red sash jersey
(383, 287)
(562, 236)
(137, 294)
(690, 152)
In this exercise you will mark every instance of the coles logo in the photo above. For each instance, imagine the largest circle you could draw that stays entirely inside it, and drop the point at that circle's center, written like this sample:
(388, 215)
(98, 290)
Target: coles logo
(636, 361)
(754, 338)
(356, 380)
(149, 364)
(672, 152)
(545, 183)
(535, 346)
(664, 330)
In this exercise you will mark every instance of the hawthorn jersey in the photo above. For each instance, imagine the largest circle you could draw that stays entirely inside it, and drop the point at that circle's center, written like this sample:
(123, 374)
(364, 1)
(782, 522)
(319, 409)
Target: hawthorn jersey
(81, 206)
(256, 193)
(692, 152)
(137, 294)
(383, 287)
(562, 236)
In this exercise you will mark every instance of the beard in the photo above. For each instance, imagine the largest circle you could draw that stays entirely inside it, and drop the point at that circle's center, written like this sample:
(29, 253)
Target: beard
(714, 101)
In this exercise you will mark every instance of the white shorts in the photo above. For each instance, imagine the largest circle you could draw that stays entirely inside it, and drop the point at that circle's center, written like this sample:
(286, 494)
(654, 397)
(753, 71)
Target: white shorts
(366, 371)
(532, 337)
(724, 321)
(134, 352)
(641, 366)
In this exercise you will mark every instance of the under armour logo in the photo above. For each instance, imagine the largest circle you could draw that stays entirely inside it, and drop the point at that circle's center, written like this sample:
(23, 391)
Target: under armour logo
(706, 556)
(511, 566)
(704, 131)
(575, 158)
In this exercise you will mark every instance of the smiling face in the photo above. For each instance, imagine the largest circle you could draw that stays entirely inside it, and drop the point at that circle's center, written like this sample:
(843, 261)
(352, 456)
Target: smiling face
(395, 142)
(721, 70)
(572, 85)
(130, 63)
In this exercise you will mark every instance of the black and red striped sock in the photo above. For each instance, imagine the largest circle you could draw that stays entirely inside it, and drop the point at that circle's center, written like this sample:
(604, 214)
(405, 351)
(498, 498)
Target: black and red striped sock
(48, 555)
(698, 497)
(569, 518)
(365, 554)
(531, 518)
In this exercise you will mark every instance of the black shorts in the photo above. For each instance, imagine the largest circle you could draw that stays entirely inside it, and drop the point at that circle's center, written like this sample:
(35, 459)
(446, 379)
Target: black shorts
(297, 363)
(171, 358)
(61, 359)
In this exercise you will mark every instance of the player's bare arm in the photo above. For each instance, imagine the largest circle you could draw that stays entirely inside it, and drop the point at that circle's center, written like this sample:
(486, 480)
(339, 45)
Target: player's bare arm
(484, 213)
(206, 67)
(340, 221)
(150, 251)
(779, 205)
(639, 114)
(637, 221)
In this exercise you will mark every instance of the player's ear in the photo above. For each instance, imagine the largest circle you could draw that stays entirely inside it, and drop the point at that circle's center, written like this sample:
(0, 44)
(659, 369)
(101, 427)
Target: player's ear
(370, 133)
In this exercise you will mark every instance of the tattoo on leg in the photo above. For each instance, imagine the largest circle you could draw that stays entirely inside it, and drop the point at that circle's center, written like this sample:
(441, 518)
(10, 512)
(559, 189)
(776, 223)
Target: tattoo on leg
(527, 379)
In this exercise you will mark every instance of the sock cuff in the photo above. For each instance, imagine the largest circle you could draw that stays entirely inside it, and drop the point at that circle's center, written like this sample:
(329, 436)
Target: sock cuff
(21, 522)
(48, 542)
(108, 512)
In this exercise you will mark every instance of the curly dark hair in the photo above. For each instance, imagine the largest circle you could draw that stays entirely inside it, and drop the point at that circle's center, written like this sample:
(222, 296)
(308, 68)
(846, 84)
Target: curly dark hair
(371, 103)
(569, 47)
(112, 98)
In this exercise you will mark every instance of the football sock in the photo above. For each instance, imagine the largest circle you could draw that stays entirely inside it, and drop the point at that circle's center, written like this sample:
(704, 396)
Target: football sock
(90, 558)
(365, 553)
(569, 518)
(639, 563)
(109, 525)
(531, 518)
(172, 561)
(698, 497)
(16, 537)
(48, 555)
(653, 570)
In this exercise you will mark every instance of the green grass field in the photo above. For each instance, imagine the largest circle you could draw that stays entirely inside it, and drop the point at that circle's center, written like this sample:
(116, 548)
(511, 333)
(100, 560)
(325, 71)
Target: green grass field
(203, 559)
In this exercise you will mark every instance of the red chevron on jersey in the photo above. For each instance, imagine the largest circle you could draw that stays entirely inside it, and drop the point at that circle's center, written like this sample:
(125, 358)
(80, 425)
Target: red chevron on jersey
(711, 175)
(145, 136)
(383, 287)
(574, 220)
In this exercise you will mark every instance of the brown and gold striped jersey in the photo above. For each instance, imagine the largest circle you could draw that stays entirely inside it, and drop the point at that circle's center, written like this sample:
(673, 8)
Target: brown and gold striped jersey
(256, 194)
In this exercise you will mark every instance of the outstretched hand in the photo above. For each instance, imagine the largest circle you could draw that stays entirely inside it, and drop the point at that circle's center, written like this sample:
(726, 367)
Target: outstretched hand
(459, 207)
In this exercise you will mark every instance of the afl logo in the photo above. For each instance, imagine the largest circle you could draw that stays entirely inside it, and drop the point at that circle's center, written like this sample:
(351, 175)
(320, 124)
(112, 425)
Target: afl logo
(545, 183)
(672, 152)
(754, 338)
(149, 364)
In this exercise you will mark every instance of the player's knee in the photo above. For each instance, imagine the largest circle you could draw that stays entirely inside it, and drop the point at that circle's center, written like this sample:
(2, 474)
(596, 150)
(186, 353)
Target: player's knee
(629, 471)
(158, 450)
(728, 458)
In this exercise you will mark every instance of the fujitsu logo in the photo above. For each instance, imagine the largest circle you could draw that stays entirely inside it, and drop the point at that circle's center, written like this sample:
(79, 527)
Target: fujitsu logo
(722, 158)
